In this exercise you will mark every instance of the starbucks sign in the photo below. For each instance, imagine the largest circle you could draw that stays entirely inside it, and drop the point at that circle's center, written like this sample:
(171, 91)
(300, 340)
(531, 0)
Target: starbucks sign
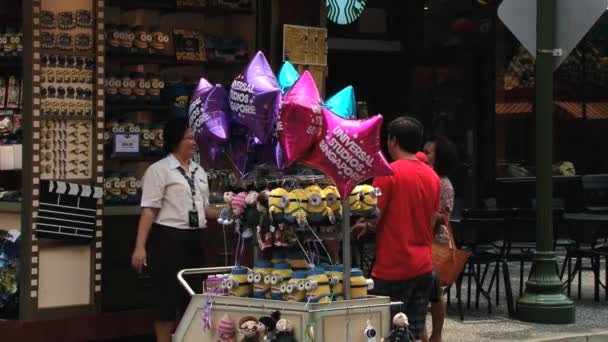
(344, 12)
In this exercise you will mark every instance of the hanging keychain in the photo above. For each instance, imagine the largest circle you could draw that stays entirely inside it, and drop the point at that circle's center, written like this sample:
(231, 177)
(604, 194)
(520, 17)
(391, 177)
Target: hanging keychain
(370, 332)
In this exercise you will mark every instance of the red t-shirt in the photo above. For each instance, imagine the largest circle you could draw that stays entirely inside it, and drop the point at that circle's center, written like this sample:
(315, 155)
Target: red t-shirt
(404, 235)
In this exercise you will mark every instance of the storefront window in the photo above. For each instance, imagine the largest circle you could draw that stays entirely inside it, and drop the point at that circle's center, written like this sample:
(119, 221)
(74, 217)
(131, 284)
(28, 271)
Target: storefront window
(581, 111)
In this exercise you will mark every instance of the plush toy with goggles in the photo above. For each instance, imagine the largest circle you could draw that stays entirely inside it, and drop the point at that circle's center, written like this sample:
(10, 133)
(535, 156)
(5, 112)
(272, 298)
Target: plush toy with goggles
(248, 327)
(316, 286)
(237, 284)
(281, 274)
(261, 269)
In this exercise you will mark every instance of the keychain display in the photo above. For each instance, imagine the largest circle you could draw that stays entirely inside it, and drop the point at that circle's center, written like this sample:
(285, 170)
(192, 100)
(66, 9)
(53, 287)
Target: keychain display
(65, 151)
(66, 85)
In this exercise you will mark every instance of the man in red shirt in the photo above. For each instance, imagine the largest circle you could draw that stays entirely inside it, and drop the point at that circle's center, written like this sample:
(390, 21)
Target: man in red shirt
(404, 231)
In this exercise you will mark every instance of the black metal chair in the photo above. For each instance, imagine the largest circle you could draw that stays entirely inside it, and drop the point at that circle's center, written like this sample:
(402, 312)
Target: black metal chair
(589, 229)
(478, 232)
(522, 234)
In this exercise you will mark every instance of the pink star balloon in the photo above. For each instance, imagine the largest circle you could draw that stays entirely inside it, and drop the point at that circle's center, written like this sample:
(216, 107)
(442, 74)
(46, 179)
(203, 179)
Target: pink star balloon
(350, 152)
(300, 125)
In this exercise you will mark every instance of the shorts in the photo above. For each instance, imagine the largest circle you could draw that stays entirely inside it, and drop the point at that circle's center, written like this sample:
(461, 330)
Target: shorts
(172, 250)
(436, 291)
(414, 293)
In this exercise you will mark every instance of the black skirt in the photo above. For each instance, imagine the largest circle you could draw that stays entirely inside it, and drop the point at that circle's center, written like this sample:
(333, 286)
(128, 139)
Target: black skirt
(172, 250)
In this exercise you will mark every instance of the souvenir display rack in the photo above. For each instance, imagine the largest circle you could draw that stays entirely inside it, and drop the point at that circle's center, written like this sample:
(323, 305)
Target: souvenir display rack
(53, 268)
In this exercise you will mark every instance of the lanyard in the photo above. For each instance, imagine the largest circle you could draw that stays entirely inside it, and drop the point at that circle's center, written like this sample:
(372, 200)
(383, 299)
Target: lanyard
(190, 181)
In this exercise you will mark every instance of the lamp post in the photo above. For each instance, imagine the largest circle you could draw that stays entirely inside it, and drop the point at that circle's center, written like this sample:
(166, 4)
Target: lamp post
(544, 300)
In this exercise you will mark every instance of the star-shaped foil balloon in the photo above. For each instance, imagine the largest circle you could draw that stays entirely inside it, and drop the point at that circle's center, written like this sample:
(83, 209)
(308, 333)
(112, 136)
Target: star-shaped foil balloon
(300, 125)
(350, 151)
(255, 98)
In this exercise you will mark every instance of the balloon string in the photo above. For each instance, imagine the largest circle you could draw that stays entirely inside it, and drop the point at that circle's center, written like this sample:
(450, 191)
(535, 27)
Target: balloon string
(225, 246)
(322, 245)
(305, 253)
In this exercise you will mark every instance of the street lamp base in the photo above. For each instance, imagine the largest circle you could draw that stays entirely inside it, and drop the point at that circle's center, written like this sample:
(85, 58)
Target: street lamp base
(544, 300)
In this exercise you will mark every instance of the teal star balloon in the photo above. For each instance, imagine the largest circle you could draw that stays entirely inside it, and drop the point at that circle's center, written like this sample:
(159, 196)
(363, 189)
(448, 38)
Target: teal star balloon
(343, 103)
(288, 75)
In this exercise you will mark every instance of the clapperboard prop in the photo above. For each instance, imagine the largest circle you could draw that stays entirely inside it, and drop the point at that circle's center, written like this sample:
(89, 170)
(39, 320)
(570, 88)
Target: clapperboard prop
(67, 211)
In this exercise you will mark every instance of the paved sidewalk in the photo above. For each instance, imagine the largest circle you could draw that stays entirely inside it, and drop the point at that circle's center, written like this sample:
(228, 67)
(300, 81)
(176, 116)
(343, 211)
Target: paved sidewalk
(478, 325)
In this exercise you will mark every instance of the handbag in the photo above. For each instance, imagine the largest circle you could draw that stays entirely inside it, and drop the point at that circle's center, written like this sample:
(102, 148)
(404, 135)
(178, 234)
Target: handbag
(449, 261)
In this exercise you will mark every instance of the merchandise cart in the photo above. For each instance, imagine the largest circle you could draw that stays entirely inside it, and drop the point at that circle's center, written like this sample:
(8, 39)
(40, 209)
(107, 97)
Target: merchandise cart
(337, 321)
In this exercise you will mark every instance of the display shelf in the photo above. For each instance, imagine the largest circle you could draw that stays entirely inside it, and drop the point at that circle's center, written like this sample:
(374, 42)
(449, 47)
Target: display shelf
(170, 61)
(121, 210)
(89, 54)
(129, 108)
(66, 117)
(10, 207)
(169, 7)
(136, 159)
(11, 63)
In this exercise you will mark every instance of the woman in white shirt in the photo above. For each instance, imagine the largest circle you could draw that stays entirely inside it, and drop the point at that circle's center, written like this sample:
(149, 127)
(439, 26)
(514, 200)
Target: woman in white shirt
(174, 210)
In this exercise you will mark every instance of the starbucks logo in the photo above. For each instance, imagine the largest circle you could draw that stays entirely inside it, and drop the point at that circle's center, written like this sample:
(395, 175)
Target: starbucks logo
(344, 12)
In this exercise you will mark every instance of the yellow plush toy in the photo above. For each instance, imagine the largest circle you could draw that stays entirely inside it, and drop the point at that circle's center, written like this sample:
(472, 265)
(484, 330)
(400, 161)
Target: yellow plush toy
(368, 203)
(237, 284)
(333, 200)
(281, 274)
(256, 277)
(319, 213)
(277, 201)
(316, 286)
(293, 291)
(295, 210)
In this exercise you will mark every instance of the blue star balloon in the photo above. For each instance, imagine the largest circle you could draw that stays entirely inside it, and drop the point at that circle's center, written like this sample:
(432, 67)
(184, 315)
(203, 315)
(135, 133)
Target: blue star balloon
(343, 103)
(288, 75)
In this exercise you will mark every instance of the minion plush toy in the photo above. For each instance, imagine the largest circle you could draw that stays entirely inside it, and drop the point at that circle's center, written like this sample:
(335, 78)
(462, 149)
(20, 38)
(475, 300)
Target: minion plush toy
(261, 269)
(156, 131)
(154, 87)
(336, 280)
(158, 41)
(293, 291)
(144, 139)
(10, 47)
(113, 188)
(129, 127)
(142, 39)
(316, 286)
(125, 39)
(127, 85)
(319, 213)
(280, 275)
(368, 201)
(129, 188)
(112, 85)
(237, 284)
(111, 128)
(297, 260)
(276, 208)
(112, 38)
(140, 92)
(295, 210)
(334, 202)
(276, 205)
(180, 99)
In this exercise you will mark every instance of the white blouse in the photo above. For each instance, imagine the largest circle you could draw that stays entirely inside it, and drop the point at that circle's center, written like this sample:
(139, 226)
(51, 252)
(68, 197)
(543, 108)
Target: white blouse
(164, 187)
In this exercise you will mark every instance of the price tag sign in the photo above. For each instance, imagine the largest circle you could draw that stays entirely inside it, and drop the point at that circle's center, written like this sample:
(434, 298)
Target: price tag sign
(126, 145)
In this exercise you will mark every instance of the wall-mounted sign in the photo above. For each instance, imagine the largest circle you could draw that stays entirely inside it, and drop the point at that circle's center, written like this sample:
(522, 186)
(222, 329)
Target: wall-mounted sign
(344, 12)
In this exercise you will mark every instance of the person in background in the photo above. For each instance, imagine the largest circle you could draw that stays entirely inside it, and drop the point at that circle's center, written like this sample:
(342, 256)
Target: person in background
(442, 156)
(403, 269)
(174, 211)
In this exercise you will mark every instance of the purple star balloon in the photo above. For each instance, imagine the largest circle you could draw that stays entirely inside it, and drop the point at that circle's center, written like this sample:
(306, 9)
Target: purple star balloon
(255, 98)
(209, 119)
